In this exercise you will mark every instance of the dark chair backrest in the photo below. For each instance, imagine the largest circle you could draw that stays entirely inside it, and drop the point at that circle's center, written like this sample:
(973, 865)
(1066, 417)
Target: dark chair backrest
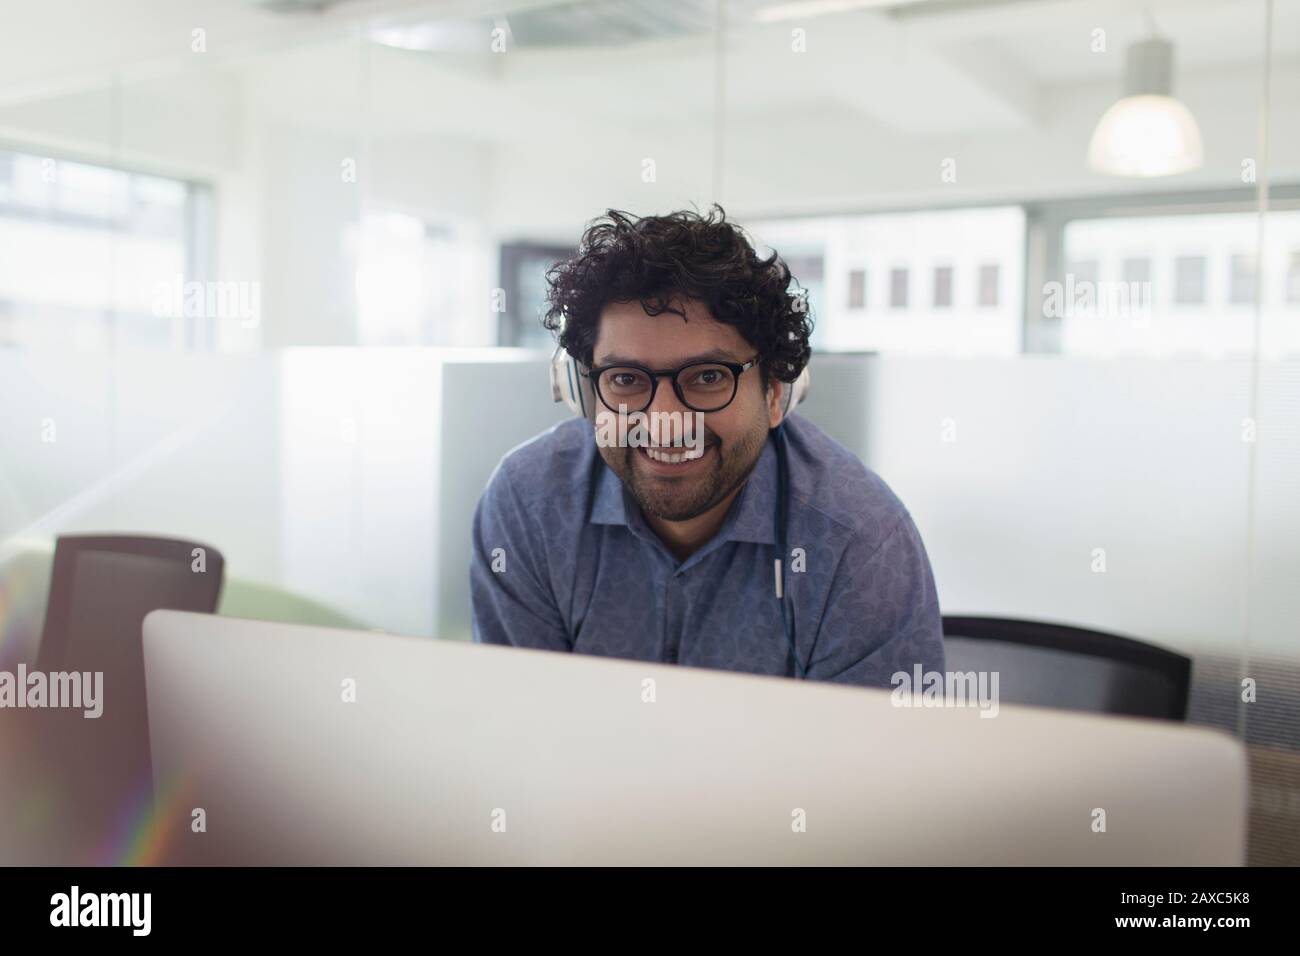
(101, 588)
(1055, 665)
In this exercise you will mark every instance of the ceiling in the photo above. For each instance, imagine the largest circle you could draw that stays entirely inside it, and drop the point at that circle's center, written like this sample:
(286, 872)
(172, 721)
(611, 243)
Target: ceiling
(934, 66)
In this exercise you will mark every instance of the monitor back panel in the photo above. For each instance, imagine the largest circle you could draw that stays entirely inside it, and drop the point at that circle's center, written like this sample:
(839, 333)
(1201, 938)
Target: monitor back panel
(281, 744)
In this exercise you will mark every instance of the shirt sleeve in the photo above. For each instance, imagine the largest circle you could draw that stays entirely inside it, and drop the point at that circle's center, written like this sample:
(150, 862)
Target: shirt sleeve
(510, 599)
(882, 615)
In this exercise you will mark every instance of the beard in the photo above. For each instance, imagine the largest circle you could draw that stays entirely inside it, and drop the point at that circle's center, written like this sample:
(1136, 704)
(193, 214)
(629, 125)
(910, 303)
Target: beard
(723, 469)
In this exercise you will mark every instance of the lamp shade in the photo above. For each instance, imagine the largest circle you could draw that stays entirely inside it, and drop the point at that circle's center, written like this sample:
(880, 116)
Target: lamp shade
(1148, 132)
(1145, 135)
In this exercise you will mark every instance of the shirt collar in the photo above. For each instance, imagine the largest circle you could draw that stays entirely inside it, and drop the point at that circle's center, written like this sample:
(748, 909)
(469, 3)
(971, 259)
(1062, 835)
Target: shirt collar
(608, 507)
(750, 519)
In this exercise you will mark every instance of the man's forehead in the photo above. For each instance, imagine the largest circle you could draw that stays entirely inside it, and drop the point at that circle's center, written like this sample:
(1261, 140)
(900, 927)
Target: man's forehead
(628, 332)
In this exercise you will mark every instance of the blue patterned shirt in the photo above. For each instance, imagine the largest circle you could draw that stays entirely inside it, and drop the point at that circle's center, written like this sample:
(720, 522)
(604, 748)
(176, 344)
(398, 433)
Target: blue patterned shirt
(564, 560)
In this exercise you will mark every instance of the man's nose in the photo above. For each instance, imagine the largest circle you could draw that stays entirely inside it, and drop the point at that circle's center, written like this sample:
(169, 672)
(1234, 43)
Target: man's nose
(665, 403)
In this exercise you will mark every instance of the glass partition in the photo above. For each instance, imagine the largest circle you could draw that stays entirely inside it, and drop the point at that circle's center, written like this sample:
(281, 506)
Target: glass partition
(272, 281)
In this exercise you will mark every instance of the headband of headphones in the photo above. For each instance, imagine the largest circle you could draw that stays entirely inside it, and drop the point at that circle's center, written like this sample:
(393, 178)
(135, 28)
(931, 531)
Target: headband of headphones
(570, 384)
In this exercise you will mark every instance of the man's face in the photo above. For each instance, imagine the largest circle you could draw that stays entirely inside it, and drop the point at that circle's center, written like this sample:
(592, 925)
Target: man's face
(733, 437)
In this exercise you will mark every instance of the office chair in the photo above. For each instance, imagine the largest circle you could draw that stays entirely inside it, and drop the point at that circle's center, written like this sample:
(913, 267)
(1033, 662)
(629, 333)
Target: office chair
(101, 588)
(1054, 665)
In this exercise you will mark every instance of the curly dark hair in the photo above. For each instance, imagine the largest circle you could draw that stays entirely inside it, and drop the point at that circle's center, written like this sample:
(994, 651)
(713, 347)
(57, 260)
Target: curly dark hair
(654, 259)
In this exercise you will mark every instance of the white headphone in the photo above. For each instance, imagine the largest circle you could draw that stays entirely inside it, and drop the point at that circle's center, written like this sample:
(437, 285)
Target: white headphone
(571, 384)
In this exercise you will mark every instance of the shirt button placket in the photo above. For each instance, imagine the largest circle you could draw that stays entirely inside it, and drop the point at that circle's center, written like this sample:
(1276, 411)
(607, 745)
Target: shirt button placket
(672, 633)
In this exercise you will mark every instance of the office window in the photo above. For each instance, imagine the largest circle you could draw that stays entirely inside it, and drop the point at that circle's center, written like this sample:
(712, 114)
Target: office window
(1241, 284)
(1136, 274)
(943, 287)
(933, 264)
(1136, 270)
(1083, 270)
(988, 285)
(1189, 280)
(898, 288)
(857, 289)
(522, 268)
(1182, 311)
(96, 257)
(808, 270)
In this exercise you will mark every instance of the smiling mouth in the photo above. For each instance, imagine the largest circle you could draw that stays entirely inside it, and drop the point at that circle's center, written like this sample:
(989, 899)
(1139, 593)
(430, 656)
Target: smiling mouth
(671, 460)
(673, 455)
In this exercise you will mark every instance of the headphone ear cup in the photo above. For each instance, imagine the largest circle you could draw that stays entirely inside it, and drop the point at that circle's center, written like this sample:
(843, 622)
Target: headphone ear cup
(570, 385)
(795, 392)
(586, 394)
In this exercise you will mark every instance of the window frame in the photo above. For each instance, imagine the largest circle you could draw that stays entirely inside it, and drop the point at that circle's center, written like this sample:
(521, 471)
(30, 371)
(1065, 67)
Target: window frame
(198, 232)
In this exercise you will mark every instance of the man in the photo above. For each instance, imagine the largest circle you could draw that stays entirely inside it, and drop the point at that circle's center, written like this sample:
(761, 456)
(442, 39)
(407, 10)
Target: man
(666, 553)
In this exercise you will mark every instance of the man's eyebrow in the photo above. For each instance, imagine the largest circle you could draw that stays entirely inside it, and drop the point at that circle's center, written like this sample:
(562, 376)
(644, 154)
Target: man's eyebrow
(713, 355)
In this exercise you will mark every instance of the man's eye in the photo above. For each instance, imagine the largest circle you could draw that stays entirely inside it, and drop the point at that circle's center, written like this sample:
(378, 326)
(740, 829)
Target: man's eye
(706, 378)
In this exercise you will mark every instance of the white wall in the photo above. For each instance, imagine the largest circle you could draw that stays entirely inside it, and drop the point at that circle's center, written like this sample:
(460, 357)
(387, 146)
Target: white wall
(1052, 459)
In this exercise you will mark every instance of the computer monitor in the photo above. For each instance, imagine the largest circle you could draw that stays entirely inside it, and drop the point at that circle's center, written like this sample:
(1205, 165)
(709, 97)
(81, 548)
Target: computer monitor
(286, 744)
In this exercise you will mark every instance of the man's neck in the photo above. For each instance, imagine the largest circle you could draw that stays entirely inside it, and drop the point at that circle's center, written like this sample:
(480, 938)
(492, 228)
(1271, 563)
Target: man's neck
(684, 538)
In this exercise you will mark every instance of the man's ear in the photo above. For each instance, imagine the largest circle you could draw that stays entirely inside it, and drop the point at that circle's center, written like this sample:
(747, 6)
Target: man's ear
(775, 397)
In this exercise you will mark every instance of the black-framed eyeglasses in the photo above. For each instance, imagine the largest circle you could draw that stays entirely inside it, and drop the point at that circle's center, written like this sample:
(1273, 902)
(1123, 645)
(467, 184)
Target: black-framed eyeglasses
(700, 386)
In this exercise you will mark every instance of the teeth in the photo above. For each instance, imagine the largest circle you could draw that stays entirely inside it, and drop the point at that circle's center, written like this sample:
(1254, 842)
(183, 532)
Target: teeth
(674, 458)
